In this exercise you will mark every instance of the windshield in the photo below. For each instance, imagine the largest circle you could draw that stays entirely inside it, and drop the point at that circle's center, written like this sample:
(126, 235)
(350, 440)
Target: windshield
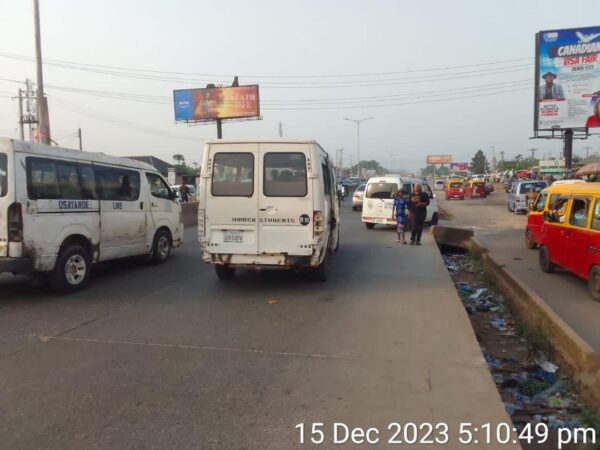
(3, 174)
(526, 187)
(361, 188)
(381, 190)
(455, 185)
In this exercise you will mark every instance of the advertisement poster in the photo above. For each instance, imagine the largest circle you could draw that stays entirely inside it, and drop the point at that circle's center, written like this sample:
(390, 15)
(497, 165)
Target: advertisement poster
(216, 103)
(568, 79)
(462, 166)
(439, 159)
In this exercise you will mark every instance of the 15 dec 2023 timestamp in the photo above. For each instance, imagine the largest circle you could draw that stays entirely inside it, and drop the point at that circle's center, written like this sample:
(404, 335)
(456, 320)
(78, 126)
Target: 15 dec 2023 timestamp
(466, 433)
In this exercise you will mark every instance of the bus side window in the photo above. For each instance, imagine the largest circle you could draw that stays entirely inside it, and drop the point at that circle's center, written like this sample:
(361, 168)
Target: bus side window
(579, 212)
(596, 216)
(326, 179)
(541, 201)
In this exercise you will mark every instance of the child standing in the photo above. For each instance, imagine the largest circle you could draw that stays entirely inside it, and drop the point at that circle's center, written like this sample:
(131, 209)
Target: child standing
(399, 213)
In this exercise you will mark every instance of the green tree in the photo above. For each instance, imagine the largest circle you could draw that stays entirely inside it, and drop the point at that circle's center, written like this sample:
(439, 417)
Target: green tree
(479, 164)
(179, 158)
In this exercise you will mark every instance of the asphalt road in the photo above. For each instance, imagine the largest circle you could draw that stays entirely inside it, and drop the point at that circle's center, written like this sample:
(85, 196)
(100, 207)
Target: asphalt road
(502, 232)
(170, 357)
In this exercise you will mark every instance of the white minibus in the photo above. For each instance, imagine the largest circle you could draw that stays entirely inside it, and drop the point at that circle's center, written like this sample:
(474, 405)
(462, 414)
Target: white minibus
(378, 200)
(62, 210)
(267, 204)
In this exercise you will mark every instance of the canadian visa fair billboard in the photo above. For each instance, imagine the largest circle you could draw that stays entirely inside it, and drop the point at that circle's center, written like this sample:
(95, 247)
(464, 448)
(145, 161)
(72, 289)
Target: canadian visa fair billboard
(439, 159)
(216, 103)
(567, 93)
(461, 166)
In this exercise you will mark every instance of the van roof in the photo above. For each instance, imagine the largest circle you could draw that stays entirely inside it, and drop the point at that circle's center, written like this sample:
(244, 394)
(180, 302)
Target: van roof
(261, 141)
(395, 178)
(61, 152)
(577, 188)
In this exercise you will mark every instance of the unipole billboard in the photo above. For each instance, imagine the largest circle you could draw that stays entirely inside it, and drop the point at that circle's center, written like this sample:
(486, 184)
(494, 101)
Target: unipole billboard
(439, 159)
(567, 73)
(210, 104)
(459, 166)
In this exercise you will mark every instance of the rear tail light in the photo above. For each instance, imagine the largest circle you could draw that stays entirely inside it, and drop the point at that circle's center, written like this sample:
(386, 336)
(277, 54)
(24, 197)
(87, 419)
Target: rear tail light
(15, 223)
(318, 223)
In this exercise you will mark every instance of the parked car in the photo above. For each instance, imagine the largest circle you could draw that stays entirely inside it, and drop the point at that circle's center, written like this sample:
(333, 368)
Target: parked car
(516, 200)
(439, 184)
(357, 197)
(570, 231)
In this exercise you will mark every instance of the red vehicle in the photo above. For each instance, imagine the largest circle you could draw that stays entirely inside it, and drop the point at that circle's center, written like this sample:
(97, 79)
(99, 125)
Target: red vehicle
(569, 236)
(476, 189)
(455, 189)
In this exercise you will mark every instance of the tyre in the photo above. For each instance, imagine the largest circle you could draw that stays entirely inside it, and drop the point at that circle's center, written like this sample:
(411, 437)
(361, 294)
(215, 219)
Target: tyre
(529, 241)
(72, 270)
(594, 283)
(369, 226)
(508, 207)
(321, 272)
(546, 265)
(337, 244)
(161, 247)
(434, 219)
(224, 272)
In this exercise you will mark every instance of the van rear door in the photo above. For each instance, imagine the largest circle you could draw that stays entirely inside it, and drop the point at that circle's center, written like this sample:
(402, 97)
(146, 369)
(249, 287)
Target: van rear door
(285, 198)
(231, 221)
(5, 201)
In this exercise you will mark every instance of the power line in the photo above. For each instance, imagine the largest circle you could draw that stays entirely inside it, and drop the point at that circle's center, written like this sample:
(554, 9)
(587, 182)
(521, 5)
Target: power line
(132, 69)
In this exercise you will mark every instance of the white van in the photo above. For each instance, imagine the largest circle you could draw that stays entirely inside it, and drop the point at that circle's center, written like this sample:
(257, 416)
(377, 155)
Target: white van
(378, 201)
(267, 204)
(62, 210)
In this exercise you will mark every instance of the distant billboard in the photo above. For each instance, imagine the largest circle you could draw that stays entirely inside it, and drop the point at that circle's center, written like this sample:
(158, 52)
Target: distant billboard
(439, 159)
(462, 166)
(567, 79)
(216, 103)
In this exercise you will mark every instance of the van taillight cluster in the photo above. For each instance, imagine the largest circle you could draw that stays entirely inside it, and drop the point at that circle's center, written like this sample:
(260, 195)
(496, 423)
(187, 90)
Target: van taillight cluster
(15, 223)
(318, 223)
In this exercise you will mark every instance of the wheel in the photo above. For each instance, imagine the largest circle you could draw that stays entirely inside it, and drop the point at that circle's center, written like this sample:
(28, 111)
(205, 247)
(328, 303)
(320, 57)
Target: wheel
(434, 219)
(161, 247)
(321, 272)
(224, 272)
(594, 283)
(337, 243)
(508, 206)
(529, 241)
(72, 270)
(545, 264)
(369, 226)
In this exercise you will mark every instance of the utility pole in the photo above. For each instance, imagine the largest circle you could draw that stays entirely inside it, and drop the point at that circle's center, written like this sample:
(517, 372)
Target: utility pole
(79, 135)
(358, 122)
(43, 127)
(533, 150)
(587, 150)
(502, 155)
(21, 130)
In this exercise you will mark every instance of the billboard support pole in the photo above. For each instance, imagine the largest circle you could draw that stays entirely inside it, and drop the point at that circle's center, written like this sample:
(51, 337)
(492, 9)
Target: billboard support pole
(568, 150)
(219, 129)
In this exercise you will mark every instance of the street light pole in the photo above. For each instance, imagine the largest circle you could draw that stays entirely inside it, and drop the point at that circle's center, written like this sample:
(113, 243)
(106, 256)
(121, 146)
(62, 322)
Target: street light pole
(43, 128)
(358, 122)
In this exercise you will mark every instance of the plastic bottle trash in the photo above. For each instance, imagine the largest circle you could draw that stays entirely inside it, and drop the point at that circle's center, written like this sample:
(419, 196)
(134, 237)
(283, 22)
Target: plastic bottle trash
(500, 324)
(511, 408)
(477, 293)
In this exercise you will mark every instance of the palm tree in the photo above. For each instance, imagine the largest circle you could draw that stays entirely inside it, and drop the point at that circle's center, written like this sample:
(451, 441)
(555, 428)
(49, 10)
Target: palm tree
(179, 158)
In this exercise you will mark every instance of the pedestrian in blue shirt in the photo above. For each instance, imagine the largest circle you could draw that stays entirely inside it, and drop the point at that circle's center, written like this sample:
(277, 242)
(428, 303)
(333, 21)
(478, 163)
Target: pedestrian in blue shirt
(399, 213)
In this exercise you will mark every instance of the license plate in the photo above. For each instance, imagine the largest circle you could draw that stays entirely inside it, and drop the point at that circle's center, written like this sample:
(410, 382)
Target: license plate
(234, 237)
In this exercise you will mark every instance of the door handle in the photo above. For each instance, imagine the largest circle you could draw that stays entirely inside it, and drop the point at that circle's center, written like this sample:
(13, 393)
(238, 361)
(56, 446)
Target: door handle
(263, 209)
(142, 206)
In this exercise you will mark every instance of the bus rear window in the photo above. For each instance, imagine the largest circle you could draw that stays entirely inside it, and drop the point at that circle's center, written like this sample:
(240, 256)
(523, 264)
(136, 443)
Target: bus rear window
(381, 190)
(233, 175)
(3, 174)
(526, 187)
(456, 185)
(285, 175)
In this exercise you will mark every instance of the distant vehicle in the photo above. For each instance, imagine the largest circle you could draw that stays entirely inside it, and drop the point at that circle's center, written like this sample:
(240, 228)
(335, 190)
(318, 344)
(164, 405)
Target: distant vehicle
(357, 197)
(455, 188)
(516, 200)
(191, 191)
(379, 196)
(439, 184)
(476, 188)
(489, 188)
(565, 223)
(559, 182)
(65, 210)
(268, 204)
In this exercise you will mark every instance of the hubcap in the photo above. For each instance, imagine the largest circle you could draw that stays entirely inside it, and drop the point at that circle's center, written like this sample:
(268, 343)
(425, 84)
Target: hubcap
(596, 282)
(163, 247)
(75, 269)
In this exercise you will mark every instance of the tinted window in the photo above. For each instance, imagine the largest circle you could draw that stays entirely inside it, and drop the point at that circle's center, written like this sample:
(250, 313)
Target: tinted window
(55, 179)
(456, 185)
(88, 181)
(326, 179)
(158, 187)
(596, 216)
(381, 190)
(42, 179)
(3, 174)
(233, 175)
(579, 212)
(115, 183)
(524, 188)
(361, 188)
(68, 180)
(285, 175)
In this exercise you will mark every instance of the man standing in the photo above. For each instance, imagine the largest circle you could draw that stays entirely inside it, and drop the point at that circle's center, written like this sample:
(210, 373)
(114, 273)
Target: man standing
(550, 91)
(418, 213)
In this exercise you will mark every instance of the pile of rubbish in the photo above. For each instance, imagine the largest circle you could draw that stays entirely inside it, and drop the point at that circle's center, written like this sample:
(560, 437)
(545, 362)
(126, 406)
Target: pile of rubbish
(532, 388)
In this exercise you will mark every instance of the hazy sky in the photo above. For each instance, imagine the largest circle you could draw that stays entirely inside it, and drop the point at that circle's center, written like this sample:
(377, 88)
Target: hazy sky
(437, 107)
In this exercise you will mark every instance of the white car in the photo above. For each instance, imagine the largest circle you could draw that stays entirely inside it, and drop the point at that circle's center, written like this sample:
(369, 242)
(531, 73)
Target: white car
(439, 184)
(357, 197)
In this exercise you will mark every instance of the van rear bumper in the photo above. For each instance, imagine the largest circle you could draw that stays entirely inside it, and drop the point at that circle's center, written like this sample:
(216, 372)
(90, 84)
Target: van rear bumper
(263, 260)
(16, 265)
